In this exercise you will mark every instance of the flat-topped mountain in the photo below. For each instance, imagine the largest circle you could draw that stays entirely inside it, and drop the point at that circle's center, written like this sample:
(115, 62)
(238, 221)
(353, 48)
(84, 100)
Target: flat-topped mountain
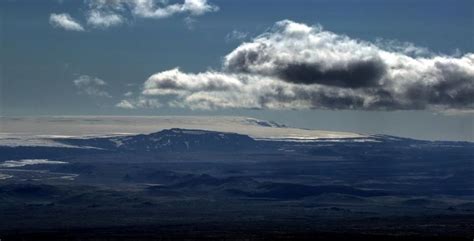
(186, 140)
(170, 140)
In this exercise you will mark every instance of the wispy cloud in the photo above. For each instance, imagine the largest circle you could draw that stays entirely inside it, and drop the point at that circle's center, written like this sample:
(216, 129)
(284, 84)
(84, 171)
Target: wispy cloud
(236, 36)
(91, 86)
(103, 14)
(65, 21)
(140, 102)
(125, 104)
(190, 22)
(297, 66)
(160, 9)
(99, 19)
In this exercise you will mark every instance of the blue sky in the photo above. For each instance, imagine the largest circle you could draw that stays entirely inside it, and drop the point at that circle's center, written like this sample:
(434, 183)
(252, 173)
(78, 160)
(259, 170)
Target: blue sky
(40, 61)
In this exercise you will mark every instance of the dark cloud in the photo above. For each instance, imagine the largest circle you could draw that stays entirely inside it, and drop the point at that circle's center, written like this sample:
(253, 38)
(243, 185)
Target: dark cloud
(354, 75)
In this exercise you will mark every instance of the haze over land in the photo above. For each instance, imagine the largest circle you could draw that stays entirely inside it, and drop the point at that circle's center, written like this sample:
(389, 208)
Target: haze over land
(108, 125)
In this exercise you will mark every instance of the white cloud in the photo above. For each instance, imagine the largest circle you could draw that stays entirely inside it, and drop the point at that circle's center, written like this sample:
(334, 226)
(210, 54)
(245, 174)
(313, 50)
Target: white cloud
(65, 21)
(152, 9)
(296, 66)
(198, 7)
(139, 103)
(125, 104)
(178, 83)
(91, 86)
(108, 13)
(100, 19)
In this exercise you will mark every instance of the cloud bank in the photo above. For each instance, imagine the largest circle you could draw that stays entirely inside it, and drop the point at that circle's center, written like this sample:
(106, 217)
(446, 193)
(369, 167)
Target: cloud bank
(65, 21)
(296, 66)
(91, 86)
(103, 14)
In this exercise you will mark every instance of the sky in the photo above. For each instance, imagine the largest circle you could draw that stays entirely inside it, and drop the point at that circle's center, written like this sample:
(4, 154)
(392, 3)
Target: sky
(397, 67)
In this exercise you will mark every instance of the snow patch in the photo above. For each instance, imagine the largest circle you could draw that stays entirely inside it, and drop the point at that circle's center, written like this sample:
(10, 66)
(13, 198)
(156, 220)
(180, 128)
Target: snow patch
(5, 176)
(27, 162)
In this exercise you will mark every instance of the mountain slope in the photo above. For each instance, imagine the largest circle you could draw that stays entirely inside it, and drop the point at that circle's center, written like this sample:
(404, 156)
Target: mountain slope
(172, 140)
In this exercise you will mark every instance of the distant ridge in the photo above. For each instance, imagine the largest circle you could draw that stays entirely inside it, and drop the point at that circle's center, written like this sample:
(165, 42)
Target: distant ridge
(171, 140)
(177, 139)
